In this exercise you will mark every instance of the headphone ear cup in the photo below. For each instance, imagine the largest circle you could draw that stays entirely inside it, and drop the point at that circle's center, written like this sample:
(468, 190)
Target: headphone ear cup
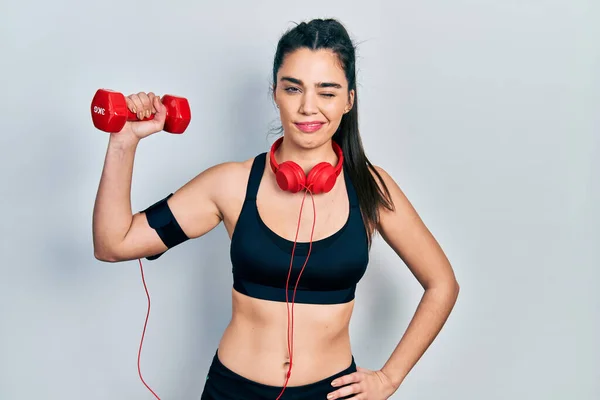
(290, 177)
(321, 178)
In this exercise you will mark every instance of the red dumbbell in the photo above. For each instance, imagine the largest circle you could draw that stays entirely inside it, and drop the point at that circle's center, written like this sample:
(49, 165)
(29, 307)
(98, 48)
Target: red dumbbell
(110, 112)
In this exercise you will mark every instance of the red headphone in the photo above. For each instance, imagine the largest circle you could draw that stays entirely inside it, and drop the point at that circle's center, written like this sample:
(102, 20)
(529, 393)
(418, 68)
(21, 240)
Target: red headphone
(321, 178)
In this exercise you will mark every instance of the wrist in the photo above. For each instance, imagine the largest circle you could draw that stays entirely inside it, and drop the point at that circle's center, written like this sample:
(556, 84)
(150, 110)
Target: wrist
(124, 140)
(395, 379)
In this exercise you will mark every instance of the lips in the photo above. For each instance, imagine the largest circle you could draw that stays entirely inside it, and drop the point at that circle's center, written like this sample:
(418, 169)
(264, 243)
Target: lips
(311, 126)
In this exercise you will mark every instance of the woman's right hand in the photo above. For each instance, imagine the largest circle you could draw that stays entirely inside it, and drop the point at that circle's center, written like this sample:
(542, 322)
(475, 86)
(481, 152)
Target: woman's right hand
(143, 105)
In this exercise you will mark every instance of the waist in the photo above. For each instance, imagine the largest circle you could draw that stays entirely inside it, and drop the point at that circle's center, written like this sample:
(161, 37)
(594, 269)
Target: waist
(255, 345)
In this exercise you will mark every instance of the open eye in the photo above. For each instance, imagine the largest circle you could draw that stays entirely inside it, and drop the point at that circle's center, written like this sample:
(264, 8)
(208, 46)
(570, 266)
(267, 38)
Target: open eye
(292, 89)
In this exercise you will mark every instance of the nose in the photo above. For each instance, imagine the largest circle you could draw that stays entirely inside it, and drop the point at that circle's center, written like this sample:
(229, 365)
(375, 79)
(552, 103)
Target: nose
(308, 106)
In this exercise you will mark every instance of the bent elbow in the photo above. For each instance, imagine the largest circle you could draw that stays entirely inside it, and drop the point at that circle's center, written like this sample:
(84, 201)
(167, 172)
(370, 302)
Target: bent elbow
(105, 256)
(455, 290)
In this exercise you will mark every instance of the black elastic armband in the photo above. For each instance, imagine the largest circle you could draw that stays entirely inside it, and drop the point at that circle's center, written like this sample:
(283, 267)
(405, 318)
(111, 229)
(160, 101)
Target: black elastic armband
(161, 219)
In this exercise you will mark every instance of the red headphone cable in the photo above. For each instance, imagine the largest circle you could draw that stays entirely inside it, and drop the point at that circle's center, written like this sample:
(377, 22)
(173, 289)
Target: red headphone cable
(290, 338)
(144, 332)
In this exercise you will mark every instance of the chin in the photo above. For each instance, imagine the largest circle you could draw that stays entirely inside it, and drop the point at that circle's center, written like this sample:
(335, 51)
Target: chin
(309, 141)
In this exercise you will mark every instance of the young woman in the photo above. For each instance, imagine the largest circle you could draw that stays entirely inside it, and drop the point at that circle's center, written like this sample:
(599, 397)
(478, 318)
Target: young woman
(301, 218)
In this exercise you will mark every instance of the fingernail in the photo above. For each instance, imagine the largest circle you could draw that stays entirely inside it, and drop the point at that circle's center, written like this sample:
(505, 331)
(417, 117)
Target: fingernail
(330, 396)
(334, 383)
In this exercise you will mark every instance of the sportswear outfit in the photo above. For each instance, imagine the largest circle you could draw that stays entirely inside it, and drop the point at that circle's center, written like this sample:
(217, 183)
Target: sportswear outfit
(260, 263)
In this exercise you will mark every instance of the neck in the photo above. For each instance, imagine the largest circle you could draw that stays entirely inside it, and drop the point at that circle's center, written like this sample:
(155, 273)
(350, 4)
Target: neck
(306, 158)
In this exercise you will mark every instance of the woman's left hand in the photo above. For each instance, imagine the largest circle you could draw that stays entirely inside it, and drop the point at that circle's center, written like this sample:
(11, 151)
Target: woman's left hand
(363, 385)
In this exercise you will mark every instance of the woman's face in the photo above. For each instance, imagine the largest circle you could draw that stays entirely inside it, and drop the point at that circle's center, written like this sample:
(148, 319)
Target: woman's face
(312, 96)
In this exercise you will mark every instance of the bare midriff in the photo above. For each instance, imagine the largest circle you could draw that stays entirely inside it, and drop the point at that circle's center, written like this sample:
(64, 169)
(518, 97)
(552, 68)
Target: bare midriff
(254, 344)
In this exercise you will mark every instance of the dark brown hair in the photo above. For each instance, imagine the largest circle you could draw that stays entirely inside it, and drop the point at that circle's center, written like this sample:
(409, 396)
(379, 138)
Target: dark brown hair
(331, 34)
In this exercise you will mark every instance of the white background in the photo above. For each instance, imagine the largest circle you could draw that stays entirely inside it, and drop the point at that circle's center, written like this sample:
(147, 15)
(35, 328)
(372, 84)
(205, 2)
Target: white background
(485, 112)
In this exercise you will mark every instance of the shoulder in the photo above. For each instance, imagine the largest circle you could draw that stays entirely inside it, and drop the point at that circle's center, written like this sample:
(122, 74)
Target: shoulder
(211, 190)
(223, 177)
(229, 170)
(391, 190)
(381, 176)
(387, 185)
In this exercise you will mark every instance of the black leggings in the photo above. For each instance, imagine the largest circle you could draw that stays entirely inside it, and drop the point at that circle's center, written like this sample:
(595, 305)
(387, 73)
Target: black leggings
(224, 384)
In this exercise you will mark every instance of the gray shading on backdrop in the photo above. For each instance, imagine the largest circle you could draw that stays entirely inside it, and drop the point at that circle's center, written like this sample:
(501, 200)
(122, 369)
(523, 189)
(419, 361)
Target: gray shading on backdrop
(485, 112)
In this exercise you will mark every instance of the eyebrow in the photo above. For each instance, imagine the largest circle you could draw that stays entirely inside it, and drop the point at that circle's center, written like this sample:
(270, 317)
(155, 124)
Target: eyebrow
(320, 84)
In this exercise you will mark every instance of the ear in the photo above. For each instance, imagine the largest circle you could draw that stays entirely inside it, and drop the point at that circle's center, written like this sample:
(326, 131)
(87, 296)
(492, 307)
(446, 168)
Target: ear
(274, 90)
(350, 101)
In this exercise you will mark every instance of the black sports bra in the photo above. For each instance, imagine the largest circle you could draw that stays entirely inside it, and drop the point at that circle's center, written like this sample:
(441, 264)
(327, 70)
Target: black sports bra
(261, 258)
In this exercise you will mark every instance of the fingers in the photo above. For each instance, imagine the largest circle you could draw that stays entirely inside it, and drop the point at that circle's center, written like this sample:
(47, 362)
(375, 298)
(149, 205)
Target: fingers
(345, 391)
(348, 384)
(151, 97)
(346, 379)
(131, 104)
(159, 109)
(145, 105)
(142, 104)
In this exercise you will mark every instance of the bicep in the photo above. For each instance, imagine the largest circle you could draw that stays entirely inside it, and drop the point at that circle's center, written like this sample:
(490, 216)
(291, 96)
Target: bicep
(194, 209)
(406, 233)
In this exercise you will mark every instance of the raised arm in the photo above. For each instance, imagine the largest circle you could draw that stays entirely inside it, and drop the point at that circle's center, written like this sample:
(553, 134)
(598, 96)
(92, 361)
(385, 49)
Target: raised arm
(120, 235)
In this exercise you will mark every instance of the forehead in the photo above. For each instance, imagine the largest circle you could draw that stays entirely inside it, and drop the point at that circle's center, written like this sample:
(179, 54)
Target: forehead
(313, 66)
